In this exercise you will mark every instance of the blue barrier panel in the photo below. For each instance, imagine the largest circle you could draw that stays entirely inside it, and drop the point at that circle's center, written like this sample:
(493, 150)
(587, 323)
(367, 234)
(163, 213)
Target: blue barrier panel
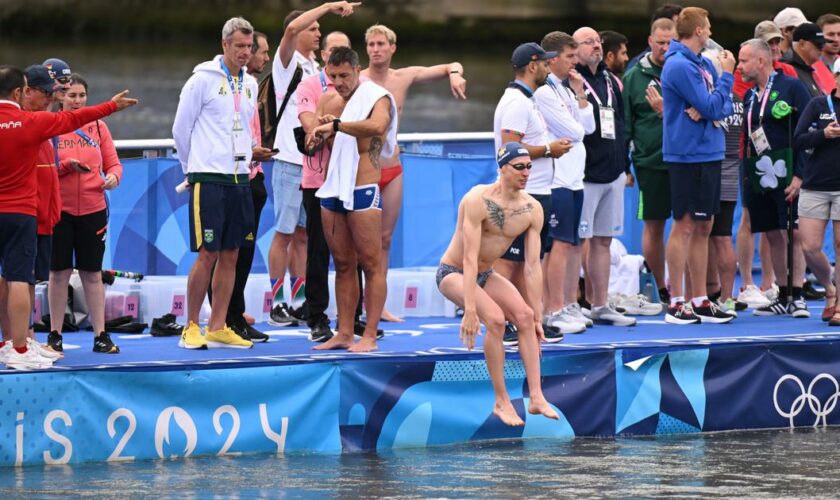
(149, 225)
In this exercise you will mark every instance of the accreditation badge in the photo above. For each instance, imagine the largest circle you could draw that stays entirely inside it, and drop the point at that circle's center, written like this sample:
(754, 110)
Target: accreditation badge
(607, 117)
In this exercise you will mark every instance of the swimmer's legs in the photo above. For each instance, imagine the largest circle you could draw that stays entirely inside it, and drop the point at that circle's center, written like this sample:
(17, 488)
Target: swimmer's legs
(337, 233)
(392, 196)
(366, 232)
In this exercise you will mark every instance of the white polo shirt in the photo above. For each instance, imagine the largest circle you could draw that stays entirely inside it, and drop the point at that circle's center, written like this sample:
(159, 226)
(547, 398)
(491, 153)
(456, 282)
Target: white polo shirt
(285, 140)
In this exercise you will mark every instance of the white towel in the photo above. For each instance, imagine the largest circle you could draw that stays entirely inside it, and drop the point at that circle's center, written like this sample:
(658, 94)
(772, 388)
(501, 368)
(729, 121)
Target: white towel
(344, 160)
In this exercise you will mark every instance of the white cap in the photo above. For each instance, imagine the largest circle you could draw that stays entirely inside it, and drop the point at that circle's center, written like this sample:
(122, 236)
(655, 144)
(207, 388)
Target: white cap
(789, 17)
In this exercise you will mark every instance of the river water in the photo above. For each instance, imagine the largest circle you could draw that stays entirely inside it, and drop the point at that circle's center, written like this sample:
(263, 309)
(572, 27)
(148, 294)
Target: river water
(776, 463)
(156, 73)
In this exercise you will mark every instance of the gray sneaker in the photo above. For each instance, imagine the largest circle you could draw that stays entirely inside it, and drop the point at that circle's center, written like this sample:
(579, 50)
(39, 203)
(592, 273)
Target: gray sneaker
(609, 316)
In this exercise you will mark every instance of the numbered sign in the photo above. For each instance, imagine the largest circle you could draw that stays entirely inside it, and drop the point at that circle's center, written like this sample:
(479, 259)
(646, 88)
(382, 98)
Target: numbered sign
(132, 306)
(411, 297)
(268, 301)
(178, 304)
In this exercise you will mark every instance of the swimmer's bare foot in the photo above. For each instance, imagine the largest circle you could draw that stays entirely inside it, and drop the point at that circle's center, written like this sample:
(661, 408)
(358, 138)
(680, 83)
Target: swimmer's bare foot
(541, 407)
(364, 345)
(337, 342)
(389, 317)
(507, 414)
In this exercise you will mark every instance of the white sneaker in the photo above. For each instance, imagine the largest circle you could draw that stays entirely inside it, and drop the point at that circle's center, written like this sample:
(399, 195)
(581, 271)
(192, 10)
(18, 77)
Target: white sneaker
(43, 351)
(753, 297)
(606, 314)
(574, 310)
(565, 322)
(30, 360)
(639, 305)
(772, 293)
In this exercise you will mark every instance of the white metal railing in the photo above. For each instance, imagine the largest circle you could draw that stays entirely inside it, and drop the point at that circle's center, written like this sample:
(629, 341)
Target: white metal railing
(169, 144)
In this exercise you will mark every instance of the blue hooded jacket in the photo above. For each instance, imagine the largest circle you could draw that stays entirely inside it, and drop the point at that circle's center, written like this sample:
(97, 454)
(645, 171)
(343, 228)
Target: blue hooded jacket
(684, 85)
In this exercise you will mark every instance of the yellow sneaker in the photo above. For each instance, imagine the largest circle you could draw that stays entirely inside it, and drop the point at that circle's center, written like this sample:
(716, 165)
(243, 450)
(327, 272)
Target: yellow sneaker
(191, 337)
(227, 338)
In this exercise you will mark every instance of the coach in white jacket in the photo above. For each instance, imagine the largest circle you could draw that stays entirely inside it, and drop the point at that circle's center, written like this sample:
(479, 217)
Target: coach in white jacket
(213, 137)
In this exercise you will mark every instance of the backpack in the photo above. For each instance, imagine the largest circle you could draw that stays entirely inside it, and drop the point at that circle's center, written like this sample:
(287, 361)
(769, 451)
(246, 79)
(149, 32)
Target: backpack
(267, 104)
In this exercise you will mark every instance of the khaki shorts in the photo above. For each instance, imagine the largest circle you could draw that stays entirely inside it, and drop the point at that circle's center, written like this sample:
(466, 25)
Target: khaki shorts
(822, 205)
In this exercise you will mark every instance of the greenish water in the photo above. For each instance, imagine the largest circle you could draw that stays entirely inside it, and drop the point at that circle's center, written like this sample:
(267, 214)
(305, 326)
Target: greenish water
(776, 463)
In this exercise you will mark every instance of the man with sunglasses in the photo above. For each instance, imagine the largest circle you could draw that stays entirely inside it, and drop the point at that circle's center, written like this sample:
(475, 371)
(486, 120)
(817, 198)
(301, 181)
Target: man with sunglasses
(808, 42)
(490, 217)
(60, 72)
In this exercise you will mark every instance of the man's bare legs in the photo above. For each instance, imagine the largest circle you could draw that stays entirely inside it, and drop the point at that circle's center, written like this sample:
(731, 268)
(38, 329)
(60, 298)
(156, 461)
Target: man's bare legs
(745, 249)
(778, 251)
(199, 280)
(497, 301)
(562, 274)
(392, 196)
(340, 241)
(18, 309)
(653, 249)
(5, 326)
(688, 246)
(598, 269)
(366, 232)
(297, 254)
(724, 261)
(812, 232)
(278, 256)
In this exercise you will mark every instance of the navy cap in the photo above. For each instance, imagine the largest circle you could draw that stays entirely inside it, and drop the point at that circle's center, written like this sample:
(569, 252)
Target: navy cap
(809, 32)
(39, 77)
(528, 52)
(57, 68)
(510, 151)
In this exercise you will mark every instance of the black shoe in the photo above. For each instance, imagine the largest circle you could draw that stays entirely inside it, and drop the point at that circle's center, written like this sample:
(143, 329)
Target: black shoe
(281, 316)
(165, 326)
(359, 329)
(301, 313)
(320, 331)
(552, 333)
(238, 327)
(55, 341)
(708, 312)
(511, 336)
(681, 314)
(254, 334)
(664, 296)
(103, 343)
(811, 293)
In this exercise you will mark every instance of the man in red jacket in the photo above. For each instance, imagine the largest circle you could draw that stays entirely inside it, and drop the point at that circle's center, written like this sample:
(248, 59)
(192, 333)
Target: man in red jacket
(21, 135)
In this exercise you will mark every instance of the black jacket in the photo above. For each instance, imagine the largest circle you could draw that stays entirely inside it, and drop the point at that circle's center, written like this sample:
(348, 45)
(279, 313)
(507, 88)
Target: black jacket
(822, 169)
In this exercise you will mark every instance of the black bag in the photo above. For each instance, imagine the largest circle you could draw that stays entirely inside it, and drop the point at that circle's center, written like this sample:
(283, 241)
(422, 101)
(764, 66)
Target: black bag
(267, 105)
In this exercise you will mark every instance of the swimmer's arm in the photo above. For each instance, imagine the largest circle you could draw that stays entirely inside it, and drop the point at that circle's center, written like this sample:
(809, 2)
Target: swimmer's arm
(376, 124)
(474, 213)
(288, 44)
(453, 70)
(533, 270)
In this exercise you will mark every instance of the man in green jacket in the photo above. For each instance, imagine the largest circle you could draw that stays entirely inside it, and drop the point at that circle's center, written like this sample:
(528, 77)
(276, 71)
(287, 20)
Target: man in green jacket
(643, 121)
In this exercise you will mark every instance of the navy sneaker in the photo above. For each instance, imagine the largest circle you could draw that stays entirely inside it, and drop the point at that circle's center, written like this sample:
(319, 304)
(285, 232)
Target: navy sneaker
(511, 336)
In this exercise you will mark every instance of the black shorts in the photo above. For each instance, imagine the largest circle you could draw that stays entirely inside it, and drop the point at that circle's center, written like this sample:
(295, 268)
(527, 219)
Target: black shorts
(516, 252)
(768, 211)
(695, 189)
(18, 235)
(654, 194)
(221, 216)
(82, 237)
(564, 218)
(722, 226)
(43, 257)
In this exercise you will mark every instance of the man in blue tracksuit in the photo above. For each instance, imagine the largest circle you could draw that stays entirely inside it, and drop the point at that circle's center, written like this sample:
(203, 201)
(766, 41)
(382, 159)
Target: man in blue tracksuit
(696, 101)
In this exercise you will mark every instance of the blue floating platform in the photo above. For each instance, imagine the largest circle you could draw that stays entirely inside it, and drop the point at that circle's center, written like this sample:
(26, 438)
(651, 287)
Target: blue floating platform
(422, 388)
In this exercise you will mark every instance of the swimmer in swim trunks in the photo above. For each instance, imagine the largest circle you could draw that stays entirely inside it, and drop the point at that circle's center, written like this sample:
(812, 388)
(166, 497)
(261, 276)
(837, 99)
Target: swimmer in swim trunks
(381, 43)
(351, 209)
(489, 218)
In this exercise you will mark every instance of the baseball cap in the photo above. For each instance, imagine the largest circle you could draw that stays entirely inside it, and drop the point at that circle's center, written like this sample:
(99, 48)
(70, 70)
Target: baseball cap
(789, 16)
(510, 151)
(767, 30)
(528, 52)
(836, 67)
(39, 77)
(809, 32)
(58, 69)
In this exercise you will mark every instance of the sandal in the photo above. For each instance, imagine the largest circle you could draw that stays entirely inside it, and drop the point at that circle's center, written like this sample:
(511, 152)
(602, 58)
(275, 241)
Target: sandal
(828, 312)
(835, 320)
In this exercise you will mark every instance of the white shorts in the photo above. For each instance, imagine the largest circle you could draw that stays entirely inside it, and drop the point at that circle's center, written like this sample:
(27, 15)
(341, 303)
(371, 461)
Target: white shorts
(603, 209)
(821, 205)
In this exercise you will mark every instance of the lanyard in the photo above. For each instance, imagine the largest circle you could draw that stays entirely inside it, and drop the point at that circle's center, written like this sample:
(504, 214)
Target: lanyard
(831, 107)
(324, 85)
(710, 82)
(235, 83)
(516, 84)
(595, 94)
(761, 109)
(87, 138)
(55, 151)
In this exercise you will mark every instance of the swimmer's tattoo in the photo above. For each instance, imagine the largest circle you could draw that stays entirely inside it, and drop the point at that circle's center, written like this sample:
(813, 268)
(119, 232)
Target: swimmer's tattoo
(496, 213)
(522, 210)
(375, 150)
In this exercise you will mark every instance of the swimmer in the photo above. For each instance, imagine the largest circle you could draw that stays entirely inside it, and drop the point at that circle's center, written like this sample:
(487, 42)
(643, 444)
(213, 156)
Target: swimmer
(490, 216)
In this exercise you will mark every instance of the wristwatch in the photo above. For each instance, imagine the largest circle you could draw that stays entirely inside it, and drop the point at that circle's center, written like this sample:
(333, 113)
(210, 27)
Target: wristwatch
(336, 123)
(548, 151)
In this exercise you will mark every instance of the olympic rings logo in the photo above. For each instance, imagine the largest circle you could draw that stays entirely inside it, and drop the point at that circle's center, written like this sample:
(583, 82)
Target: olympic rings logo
(817, 407)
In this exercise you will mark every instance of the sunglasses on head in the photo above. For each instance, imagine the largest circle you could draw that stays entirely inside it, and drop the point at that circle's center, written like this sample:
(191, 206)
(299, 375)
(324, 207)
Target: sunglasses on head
(64, 80)
(521, 166)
